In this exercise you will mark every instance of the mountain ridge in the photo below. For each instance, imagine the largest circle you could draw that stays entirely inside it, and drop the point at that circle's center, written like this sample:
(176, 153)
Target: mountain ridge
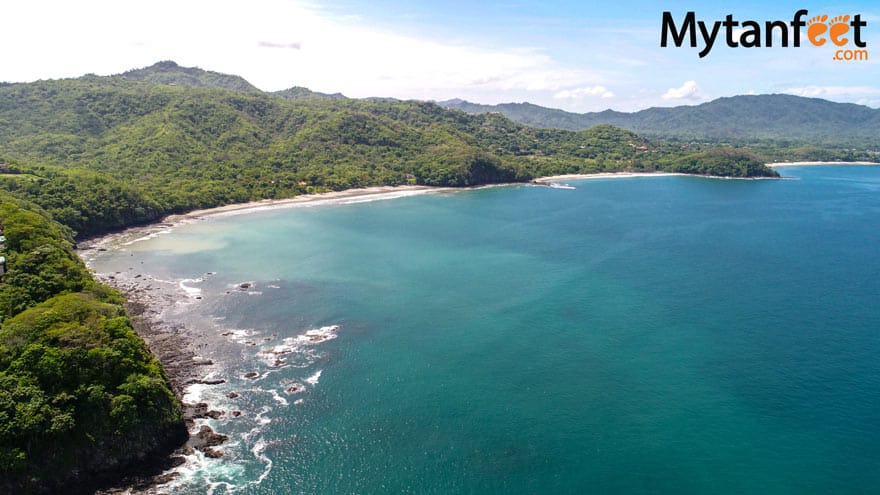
(193, 146)
(740, 119)
(779, 117)
(170, 73)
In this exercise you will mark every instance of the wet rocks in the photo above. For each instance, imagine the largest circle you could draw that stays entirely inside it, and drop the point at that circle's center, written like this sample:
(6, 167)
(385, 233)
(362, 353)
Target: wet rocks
(216, 381)
(295, 389)
(205, 441)
(201, 411)
(212, 452)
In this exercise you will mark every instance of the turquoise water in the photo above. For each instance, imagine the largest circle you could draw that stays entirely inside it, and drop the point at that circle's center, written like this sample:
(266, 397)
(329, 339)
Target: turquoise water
(644, 335)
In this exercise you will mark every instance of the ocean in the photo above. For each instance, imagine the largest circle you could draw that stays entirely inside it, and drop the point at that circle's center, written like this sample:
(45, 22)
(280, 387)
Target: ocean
(641, 335)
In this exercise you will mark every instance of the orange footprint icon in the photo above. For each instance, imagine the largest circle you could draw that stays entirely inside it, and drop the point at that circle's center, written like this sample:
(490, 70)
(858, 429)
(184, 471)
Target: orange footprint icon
(839, 27)
(816, 27)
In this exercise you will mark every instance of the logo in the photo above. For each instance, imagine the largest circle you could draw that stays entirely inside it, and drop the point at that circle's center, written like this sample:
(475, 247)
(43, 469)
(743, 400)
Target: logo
(839, 31)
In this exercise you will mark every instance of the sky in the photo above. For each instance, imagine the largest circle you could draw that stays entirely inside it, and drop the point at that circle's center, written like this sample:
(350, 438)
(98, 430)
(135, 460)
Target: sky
(576, 55)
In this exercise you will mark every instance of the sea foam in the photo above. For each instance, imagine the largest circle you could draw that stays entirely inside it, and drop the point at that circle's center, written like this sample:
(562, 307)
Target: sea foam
(191, 292)
(313, 380)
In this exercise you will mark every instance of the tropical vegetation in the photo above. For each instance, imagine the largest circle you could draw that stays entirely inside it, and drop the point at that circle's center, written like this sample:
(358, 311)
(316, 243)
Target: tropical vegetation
(79, 391)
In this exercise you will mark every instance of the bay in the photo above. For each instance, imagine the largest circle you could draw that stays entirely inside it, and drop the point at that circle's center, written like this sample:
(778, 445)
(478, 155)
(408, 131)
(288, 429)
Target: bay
(640, 335)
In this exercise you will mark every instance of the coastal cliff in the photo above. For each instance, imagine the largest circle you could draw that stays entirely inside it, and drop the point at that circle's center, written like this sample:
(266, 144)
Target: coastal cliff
(82, 400)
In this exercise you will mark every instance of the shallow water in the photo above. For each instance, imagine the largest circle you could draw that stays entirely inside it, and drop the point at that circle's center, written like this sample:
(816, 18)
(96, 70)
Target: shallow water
(662, 335)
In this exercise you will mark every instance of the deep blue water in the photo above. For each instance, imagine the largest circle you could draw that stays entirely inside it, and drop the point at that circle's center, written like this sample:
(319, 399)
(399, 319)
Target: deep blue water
(645, 335)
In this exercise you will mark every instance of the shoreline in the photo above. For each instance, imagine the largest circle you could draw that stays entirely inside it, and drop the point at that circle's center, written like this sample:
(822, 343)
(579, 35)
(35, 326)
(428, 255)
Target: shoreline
(176, 346)
(86, 247)
(607, 175)
(346, 196)
(817, 164)
(129, 235)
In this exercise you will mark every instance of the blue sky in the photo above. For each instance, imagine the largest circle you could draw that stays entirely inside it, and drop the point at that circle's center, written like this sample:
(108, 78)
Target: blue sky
(575, 55)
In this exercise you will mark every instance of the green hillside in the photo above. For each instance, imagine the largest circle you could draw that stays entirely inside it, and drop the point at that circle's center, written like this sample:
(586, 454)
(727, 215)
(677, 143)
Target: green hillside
(783, 120)
(80, 394)
(168, 72)
(101, 153)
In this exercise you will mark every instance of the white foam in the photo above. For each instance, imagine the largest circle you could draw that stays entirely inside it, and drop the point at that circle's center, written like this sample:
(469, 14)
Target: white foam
(248, 284)
(147, 237)
(279, 350)
(258, 451)
(261, 418)
(191, 292)
(295, 388)
(212, 486)
(299, 348)
(277, 397)
(163, 281)
(379, 197)
(314, 336)
(200, 468)
(239, 335)
(272, 357)
(313, 380)
(313, 202)
(192, 394)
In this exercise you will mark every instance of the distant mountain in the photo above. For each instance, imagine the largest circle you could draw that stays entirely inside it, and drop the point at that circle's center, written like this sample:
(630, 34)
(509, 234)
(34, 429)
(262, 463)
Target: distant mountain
(783, 120)
(300, 93)
(148, 149)
(776, 117)
(168, 72)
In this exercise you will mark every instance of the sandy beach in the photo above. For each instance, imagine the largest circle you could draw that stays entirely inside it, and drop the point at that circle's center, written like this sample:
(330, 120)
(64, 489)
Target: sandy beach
(603, 175)
(148, 298)
(812, 164)
(336, 197)
(87, 248)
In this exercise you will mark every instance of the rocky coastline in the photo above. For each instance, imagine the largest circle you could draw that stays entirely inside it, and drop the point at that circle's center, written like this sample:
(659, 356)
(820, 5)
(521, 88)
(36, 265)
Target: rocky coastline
(175, 347)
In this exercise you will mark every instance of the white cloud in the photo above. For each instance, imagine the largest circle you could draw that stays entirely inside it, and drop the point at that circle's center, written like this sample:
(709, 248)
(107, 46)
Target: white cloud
(274, 44)
(268, 44)
(687, 91)
(574, 94)
(863, 95)
(833, 91)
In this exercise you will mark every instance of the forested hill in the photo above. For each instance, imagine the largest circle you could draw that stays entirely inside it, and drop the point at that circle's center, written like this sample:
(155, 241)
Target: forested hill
(101, 153)
(79, 393)
(786, 119)
(168, 72)
(81, 397)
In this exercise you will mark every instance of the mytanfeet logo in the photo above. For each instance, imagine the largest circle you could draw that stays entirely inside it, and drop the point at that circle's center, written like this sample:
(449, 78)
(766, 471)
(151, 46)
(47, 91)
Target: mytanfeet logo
(844, 32)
